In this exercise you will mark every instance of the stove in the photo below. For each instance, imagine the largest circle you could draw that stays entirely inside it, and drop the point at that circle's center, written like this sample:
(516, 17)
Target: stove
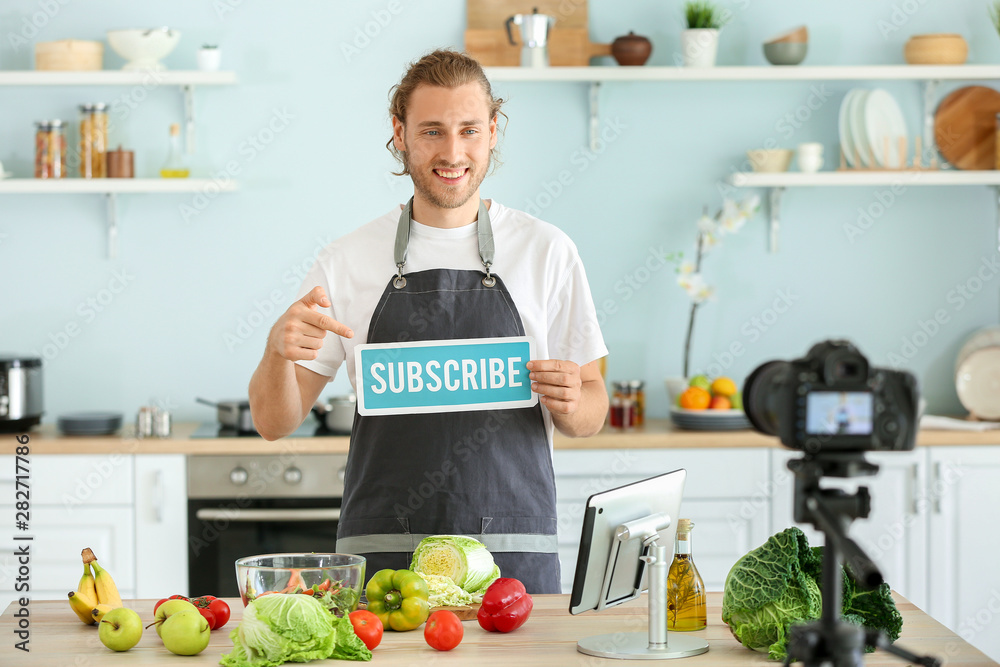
(310, 428)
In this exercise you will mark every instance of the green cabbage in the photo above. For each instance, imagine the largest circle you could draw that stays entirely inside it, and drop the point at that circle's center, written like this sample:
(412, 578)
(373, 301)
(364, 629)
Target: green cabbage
(279, 628)
(769, 589)
(446, 593)
(466, 561)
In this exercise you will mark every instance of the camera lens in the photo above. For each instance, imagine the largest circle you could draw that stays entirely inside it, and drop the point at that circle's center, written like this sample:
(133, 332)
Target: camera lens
(762, 396)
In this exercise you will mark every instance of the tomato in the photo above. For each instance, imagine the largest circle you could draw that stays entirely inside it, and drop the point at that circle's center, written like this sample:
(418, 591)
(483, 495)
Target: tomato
(367, 627)
(209, 616)
(158, 604)
(202, 601)
(177, 597)
(444, 630)
(221, 611)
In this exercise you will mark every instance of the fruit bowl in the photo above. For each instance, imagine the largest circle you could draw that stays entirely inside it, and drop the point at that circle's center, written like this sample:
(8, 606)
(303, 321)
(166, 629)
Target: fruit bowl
(143, 48)
(709, 420)
(336, 580)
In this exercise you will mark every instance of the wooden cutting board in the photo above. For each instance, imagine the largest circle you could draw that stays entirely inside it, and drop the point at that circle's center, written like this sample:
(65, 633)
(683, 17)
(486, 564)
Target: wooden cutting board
(965, 127)
(569, 42)
(569, 47)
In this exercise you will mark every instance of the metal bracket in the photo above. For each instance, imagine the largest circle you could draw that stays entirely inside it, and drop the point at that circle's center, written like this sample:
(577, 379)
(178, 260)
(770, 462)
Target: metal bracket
(595, 121)
(774, 205)
(996, 195)
(112, 203)
(928, 142)
(188, 91)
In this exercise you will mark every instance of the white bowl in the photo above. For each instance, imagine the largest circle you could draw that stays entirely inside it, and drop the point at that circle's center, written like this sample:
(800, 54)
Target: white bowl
(143, 47)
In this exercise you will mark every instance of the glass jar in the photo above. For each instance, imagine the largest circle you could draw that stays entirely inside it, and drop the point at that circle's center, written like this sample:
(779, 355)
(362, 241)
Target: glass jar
(93, 140)
(623, 406)
(50, 149)
(638, 389)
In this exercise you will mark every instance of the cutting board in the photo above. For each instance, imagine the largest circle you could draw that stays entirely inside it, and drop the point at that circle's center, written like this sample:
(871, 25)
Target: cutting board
(569, 41)
(965, 127)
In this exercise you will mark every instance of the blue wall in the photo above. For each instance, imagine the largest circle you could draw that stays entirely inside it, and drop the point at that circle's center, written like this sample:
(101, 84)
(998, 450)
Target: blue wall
(197, 303)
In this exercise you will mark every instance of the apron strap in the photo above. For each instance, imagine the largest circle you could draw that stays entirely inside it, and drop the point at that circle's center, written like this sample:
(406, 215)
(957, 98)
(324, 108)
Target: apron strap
(487, 247)
(407, 542)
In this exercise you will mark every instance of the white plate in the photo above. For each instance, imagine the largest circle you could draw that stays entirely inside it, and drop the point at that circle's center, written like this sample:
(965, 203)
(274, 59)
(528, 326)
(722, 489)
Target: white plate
(709, 420)
(843, 125)
(6, 174)
(988, 337)
(978, 383)
(884, 120)
(856, 125)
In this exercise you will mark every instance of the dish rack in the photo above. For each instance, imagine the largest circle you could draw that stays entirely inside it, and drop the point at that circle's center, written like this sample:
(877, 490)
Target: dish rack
(916, 164)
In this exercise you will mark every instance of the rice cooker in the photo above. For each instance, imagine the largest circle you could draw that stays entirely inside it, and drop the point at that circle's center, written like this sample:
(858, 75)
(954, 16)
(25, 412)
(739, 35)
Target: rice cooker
(20, 392)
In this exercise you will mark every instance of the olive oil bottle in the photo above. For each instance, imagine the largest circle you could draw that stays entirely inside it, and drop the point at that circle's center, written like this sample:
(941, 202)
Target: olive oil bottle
(687, 607)
(175, 167)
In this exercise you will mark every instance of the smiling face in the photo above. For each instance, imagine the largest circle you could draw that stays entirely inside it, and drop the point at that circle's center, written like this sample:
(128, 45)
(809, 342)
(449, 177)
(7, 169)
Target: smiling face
(446, 142)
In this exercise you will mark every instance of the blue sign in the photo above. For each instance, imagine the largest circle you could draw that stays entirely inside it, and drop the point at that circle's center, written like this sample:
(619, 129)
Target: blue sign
(444, 375)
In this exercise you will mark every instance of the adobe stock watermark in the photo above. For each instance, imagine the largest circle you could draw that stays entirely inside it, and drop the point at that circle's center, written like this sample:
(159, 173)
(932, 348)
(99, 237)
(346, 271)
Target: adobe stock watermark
(87, 311)
(32, 25)
(363, 35)
(899, 15)
(582, 158)
(957, 297)
(249, 149)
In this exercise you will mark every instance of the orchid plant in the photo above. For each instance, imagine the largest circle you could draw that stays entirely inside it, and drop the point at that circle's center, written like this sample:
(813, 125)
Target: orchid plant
(728, 220)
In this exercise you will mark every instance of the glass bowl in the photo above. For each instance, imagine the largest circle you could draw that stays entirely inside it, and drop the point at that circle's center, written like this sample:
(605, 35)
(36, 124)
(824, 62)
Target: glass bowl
(336, 580)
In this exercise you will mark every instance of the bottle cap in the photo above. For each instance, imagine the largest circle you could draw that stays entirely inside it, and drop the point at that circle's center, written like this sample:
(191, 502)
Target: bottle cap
(175, 129)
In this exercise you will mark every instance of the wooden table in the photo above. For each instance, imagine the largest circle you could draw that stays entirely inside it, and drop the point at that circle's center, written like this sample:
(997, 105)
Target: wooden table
(548, 639)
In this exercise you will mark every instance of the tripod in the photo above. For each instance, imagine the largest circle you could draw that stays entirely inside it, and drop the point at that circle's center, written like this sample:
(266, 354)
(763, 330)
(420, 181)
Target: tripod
(831, 640)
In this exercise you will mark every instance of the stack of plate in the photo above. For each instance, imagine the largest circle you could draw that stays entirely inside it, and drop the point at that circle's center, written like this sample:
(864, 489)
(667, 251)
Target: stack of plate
(709, 420)
(90, 423)
(977, 374)
(871, 125)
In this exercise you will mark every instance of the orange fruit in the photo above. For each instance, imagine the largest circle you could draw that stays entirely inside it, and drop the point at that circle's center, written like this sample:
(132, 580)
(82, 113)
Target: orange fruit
(720, 403)
(695, 398)
(723, 386)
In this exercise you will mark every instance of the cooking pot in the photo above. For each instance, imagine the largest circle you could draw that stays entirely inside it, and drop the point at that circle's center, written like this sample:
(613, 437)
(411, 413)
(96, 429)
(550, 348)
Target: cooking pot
(233, 414)
(20, 392)
(337, 414)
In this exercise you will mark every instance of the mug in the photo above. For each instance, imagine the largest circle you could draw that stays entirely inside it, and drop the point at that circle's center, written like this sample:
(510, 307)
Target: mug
(810, 157)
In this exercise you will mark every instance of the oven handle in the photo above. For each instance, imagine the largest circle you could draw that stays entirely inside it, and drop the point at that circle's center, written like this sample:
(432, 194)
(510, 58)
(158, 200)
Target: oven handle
(319, 514)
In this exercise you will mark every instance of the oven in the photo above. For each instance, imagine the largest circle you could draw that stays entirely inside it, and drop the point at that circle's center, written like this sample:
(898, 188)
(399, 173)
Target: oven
(244, 505)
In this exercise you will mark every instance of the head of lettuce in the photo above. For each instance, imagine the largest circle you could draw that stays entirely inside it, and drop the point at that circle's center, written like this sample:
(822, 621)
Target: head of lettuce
(281, 628)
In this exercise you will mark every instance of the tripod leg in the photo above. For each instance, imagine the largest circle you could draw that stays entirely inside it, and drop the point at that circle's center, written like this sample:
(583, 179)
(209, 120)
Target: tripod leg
(879, 640)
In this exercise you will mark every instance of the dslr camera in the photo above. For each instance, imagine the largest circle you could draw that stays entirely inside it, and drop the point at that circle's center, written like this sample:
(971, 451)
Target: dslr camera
(833, 400)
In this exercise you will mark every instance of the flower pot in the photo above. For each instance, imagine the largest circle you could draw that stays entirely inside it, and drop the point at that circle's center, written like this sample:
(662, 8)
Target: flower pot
(699, 47)
(209, 60)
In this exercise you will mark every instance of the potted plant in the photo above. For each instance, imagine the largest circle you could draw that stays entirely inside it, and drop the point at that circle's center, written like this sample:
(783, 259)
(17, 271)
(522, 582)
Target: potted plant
(700, 42)
(209, 58)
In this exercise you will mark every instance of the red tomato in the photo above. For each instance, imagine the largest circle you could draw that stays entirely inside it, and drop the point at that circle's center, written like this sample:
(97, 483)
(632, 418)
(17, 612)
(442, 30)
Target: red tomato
(367, 627)
(209, 616)
(221, 611)
(443, 630)
(177, 597)
(158, 604)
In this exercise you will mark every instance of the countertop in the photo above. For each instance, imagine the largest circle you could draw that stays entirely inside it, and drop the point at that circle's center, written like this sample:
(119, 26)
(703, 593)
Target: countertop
(656, 434)
(548, 638)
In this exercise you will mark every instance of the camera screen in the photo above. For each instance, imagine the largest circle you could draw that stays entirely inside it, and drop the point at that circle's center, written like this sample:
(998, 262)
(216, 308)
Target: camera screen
(839, 413)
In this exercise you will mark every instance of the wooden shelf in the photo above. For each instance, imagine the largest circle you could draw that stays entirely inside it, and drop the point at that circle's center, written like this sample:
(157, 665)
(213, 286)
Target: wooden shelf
(755, 73)
(112, 185)
(116, 78)
(793, 179)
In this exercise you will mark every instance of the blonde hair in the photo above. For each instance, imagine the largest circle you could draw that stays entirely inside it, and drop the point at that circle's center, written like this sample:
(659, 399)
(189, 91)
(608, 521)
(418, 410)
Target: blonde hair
(445, 68)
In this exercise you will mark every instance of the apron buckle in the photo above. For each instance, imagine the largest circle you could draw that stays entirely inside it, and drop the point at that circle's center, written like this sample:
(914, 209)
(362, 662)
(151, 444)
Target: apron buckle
(489, 280)
(399, 282)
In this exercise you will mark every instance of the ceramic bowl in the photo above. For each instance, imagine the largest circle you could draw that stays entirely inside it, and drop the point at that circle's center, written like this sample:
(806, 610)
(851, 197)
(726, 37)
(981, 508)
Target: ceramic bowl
(785, 53)
(272, 574)
(143, 47)
(770, 160)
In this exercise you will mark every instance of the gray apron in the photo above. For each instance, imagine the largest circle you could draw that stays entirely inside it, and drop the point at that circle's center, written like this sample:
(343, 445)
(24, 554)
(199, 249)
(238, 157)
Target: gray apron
(486, 474)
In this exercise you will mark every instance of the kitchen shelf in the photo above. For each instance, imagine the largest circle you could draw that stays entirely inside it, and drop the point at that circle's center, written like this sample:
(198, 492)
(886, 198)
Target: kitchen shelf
(777, 182)
(110, 188)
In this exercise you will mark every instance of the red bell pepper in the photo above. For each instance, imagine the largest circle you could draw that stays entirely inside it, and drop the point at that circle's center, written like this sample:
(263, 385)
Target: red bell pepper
(506, 606)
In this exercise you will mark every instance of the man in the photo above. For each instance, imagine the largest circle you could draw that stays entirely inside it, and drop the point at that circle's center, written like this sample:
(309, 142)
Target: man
(446, 266)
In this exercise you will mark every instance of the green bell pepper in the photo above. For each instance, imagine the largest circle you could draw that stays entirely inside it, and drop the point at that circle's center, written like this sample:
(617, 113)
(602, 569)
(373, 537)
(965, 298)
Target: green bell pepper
(398, 598)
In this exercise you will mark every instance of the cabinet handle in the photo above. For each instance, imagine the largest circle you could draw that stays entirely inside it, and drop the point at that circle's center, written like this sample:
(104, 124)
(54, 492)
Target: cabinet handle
(317, 514)
(937, 488)
(157, 496)
(914, 480)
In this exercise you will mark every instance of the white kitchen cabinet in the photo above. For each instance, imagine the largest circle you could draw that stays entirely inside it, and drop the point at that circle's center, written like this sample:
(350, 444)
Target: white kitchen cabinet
(964, 522)
(723, 496)
(895, 533)
(161, 564)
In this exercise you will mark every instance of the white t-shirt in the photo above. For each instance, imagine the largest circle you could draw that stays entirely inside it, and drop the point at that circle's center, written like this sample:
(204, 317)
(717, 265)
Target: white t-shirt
(537, 262)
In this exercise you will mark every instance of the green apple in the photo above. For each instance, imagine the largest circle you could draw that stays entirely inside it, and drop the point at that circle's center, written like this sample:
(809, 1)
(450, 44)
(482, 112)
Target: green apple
(168, 609)
(185, 633)
(120, 629)
(701, 381)
(737, 400)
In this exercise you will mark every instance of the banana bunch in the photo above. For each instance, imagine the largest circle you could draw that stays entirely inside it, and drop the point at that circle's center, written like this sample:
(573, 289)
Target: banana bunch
(96, 593)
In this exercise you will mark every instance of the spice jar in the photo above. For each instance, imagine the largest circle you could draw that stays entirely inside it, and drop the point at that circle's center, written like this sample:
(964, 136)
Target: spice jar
(93, 140)
(638, 390)
(50, 149)
(120, 163)
(623, 406)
